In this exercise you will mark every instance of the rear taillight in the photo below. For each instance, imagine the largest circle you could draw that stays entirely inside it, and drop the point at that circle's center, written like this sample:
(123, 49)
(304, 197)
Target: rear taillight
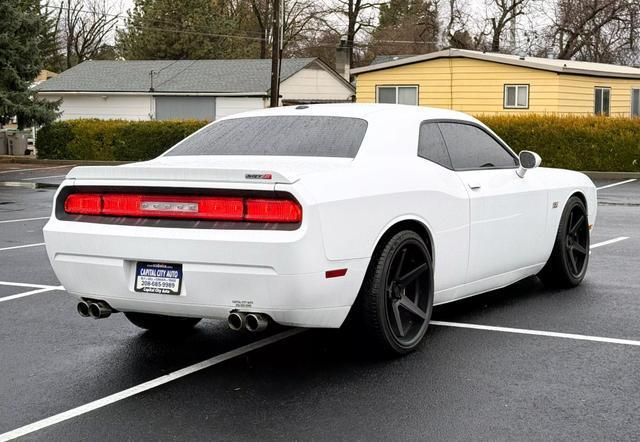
(214, 208)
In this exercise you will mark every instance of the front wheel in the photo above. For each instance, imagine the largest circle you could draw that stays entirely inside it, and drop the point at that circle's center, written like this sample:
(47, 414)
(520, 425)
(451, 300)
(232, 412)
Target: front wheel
(396, 299)
(161, 323)
(570, 256)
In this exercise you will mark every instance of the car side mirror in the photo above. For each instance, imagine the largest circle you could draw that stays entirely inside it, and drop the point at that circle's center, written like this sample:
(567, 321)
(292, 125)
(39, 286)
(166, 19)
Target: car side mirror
(528, 160)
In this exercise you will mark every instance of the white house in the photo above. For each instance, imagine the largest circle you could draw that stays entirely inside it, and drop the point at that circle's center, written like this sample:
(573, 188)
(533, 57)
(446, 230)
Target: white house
(188, 89)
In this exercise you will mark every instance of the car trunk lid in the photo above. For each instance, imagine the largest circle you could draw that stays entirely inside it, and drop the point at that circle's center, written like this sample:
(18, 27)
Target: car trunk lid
(226, 169)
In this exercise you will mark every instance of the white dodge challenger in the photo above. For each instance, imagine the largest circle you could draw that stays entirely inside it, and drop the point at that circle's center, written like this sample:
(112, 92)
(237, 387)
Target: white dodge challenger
(308, 215)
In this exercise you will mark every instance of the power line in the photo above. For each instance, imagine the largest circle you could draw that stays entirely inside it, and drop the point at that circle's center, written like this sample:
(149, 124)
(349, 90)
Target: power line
(242, 37)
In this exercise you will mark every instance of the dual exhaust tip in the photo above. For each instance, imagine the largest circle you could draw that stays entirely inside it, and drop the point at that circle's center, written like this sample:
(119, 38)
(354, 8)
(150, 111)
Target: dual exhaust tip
(94, 309)
(253, 322)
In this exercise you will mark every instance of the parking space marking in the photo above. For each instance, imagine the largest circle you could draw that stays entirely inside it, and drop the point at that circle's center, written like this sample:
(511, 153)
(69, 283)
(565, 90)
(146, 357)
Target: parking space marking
(25, 284)
(36, 168)
(29, 293)
(124, 394)
(523, 331)
(609, 241)
(617, 184)
(22, 246)
(42, 177)
(24, 219)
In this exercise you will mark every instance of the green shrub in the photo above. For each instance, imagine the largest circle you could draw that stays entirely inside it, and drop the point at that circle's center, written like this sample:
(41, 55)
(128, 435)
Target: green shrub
(110, 140)
(573, 142)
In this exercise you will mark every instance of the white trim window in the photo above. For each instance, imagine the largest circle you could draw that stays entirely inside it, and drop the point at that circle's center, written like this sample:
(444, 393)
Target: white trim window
(397, 95)
(635, 102)
(516, 96)
(602, 101)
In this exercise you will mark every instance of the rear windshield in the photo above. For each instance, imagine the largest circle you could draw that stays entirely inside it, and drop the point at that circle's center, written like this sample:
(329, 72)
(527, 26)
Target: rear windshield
(305, 136)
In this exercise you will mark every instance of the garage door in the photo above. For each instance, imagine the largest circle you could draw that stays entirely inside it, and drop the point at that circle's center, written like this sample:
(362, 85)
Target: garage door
(185, 108)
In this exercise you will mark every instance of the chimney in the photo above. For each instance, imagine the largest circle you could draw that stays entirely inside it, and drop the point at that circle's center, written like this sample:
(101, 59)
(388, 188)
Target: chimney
(342, 60)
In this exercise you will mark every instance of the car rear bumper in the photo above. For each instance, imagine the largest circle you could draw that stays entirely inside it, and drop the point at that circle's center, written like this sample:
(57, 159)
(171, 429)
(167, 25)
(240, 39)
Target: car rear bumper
(278, 273)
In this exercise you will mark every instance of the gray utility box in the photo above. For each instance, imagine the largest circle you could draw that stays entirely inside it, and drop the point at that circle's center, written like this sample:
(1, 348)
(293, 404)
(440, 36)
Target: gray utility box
(4, 148)
(17, 142)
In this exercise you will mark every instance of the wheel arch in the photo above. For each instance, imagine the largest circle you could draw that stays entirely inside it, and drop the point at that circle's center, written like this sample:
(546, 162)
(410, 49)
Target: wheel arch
(406, 223)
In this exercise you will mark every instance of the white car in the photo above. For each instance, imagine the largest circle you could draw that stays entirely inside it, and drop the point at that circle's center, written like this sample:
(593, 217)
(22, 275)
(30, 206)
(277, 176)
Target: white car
(306, 215)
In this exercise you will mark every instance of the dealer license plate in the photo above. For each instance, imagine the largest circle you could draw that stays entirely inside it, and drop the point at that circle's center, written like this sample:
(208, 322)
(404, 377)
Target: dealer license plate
(163, 279)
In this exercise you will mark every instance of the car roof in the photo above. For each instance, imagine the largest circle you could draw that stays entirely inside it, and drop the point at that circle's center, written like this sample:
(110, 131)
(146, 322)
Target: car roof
(370, 112)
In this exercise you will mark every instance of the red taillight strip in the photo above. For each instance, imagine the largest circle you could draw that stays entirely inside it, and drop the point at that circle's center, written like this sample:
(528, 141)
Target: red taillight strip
(212, 208)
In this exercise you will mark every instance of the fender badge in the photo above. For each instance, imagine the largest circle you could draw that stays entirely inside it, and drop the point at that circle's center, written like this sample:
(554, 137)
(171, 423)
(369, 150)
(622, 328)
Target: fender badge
(555, 205)
(258, 176)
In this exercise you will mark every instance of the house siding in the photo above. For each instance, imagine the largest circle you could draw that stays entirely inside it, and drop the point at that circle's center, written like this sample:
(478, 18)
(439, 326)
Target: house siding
(477, 87)
(113, 107)
(314, 83)
(226, 106)
(577, 94)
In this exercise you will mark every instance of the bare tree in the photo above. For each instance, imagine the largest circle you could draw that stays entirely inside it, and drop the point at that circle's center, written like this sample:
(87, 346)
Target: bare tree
(85, 28)
(348, 17)
(596, 30)
(503, 16)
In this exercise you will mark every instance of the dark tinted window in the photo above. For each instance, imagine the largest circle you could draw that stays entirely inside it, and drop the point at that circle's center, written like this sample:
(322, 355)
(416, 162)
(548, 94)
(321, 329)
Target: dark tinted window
(431, 145)
(472, 148)
(316, 136)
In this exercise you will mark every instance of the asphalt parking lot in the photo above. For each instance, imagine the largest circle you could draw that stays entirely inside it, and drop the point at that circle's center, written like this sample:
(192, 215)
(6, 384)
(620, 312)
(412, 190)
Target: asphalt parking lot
(523, 362)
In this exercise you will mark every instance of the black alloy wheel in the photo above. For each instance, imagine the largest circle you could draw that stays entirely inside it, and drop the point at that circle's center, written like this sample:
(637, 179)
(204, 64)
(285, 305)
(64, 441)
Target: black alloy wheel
(407, 290)
(569, 259)
(396, 299)
(577, 241)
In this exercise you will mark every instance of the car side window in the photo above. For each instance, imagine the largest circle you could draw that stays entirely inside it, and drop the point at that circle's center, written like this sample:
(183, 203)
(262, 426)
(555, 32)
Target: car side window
(431, 145)
(472, 148)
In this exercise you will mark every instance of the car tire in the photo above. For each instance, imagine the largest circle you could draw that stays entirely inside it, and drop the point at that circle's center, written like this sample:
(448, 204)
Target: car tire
(395, 302)
(161, 323)
(569, 259)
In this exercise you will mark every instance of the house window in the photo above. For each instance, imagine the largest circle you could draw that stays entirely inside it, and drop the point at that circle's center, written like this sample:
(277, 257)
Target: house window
(603, 101)
(398, 95)
(635, 102)
(516, 96)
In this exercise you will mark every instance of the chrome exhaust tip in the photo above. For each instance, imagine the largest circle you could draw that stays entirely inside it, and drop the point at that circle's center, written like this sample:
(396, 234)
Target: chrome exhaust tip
(256, 322)
(236, 320)
(99, 310)
(83, 309)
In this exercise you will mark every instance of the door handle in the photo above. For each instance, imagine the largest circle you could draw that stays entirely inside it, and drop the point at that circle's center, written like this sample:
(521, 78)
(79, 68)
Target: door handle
(474, 186)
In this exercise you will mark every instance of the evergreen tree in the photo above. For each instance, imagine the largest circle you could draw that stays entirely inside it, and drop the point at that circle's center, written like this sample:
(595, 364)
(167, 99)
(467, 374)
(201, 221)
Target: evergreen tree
(167, 29)
(406, 27)
(20, 62)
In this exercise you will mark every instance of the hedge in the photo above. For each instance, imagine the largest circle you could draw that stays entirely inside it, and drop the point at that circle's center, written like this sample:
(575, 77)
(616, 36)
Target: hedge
(580, 143)
(574, 142)
(115, 140)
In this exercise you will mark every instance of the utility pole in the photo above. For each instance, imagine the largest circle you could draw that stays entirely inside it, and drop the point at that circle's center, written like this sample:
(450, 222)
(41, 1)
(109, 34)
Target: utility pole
(275, 55)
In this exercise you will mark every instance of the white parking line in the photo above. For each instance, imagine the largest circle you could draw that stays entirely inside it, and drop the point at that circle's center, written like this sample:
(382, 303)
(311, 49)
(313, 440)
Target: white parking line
(36, 168)
(609, 241)
(24, 284)
(42, 177)
(22, 247)
(617, 184)
(124, 394)
(29, 293)
(523, 331)
(24, 219)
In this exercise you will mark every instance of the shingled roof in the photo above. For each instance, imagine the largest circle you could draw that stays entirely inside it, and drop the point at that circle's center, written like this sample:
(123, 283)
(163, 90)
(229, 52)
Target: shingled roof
(250, 76)
(545, 64)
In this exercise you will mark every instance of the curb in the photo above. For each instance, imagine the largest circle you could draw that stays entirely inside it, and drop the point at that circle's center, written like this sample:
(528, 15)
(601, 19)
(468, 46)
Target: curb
(30, 160)
(612, 175)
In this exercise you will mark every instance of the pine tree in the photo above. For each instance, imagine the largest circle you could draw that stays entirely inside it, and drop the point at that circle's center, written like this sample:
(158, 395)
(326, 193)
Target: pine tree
(20, 62)
(167, 29)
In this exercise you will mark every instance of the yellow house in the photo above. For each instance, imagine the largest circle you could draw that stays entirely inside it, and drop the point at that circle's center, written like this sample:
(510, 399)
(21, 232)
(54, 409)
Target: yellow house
(488, 83)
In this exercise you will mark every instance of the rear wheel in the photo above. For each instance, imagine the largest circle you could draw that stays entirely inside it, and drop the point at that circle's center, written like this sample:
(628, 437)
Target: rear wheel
(570, 256)
(396, 299)
(161, 323)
